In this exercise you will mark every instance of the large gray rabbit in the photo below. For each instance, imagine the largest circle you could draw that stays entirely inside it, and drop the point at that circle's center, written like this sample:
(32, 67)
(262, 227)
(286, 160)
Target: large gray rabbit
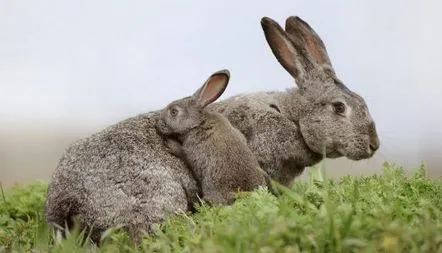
(214, 150)
(124, 174)
(291, 130)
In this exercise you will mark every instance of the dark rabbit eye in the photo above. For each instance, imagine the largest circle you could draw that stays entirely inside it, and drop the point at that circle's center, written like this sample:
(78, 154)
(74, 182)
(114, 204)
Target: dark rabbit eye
(339, 108)
(173, 112)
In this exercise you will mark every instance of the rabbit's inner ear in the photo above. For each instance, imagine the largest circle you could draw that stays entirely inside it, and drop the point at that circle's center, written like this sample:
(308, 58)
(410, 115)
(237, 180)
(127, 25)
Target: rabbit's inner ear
(281, 47)
(213, 88)
(310, 41)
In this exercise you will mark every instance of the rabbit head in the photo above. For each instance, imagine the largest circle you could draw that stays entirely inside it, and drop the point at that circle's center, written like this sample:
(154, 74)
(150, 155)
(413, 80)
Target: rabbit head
(332, 119)
(182, 115)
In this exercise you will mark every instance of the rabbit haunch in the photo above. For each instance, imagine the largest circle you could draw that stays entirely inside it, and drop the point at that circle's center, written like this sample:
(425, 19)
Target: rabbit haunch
(215, 151)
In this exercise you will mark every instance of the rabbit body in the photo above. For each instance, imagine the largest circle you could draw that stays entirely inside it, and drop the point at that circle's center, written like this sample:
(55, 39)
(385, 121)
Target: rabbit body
(221, 160)
(272, 136)
(215, 151)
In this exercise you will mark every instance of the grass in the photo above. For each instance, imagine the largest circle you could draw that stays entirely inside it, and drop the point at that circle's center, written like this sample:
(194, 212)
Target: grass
(387, 212)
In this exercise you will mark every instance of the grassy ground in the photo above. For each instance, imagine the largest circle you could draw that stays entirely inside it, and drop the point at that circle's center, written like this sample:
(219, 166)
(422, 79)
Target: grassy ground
(389, 212)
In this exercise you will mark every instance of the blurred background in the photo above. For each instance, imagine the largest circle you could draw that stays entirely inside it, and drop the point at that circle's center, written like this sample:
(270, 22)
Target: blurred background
(69, 69)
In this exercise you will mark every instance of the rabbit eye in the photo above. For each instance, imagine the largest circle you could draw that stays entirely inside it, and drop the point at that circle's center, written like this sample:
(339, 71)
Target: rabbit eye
(173, 112)
(339, 108)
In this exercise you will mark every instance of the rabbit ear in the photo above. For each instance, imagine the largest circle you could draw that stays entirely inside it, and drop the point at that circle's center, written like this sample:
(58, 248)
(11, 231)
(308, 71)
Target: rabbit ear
(282, 47)
(213, 88)
(310, 41)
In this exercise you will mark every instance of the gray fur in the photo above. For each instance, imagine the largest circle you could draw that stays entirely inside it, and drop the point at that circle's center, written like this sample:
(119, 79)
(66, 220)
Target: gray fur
(125, 174)
(215, 151)
(121, 175)
(288, 131)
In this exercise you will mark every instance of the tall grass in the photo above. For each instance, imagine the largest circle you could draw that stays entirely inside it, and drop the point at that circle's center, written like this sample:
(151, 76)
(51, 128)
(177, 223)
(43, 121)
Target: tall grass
(387, 212)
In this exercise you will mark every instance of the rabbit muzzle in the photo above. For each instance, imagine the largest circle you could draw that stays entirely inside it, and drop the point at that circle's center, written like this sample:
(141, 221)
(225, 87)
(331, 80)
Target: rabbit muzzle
(361, 148)
(162, 127)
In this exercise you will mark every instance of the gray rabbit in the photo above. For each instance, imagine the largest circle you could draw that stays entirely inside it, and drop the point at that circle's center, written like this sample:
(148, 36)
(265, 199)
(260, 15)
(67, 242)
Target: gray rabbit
(288, 131)
(125, 174)
(216, 151)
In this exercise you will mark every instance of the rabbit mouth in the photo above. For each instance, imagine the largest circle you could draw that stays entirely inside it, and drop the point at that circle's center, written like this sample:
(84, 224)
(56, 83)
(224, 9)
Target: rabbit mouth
(334, 154)
(362, 156)
(330, 152)
(162, 127)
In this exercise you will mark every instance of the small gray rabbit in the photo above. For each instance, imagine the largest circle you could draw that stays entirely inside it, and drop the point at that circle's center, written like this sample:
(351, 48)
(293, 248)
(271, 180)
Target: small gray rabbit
(215, 151)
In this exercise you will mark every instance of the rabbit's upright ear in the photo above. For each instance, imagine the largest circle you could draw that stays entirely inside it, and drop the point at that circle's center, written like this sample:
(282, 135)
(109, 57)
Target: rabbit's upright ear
(301, 32)
(282, 47)
(213, 88)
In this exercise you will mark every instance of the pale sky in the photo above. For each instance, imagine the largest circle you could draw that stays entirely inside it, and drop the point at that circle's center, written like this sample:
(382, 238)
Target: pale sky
(98, 62)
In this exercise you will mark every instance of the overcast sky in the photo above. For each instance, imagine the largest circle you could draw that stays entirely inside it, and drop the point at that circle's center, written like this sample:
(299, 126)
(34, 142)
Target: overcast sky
(98, 62)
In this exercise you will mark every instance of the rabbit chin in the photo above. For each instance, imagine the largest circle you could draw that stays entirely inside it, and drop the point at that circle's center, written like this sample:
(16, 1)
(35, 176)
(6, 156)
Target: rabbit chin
(357, 153)
(351, 152)
(334, 154)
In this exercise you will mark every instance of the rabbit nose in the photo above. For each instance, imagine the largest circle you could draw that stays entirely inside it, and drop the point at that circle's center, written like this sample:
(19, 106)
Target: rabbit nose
(374, 143)
(374, 139)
